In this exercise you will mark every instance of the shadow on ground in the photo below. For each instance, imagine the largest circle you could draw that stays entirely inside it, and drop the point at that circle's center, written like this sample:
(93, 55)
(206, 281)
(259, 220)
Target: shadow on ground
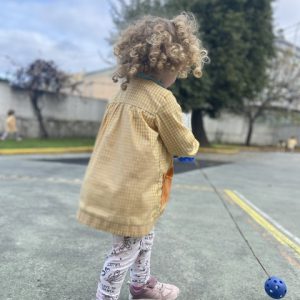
(178, 166)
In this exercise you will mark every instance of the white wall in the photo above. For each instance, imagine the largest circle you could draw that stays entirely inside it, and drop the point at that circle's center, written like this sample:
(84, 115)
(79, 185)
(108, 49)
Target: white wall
(233, 129)
(74, 116)
(67, 111)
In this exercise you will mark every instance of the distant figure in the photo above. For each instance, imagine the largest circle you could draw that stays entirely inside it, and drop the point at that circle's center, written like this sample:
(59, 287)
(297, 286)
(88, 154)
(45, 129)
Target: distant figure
(11, 126)
(281, 145)
(291, 144)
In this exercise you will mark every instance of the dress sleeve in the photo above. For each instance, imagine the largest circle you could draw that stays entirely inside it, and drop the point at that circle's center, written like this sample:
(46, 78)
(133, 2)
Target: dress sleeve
(178, 139)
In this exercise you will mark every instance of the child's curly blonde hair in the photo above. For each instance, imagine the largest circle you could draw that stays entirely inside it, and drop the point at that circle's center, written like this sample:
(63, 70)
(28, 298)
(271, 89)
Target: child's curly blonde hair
(153, 44)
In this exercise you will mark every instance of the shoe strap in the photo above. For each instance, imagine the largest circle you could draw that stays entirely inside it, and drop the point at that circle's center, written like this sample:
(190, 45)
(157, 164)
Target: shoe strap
(152, 282)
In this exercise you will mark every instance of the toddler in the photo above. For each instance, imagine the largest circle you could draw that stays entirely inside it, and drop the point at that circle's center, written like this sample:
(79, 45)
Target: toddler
(11, 126)
(127, 183)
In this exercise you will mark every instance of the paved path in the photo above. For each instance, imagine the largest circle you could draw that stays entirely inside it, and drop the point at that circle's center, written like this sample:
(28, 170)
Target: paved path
(200, 241)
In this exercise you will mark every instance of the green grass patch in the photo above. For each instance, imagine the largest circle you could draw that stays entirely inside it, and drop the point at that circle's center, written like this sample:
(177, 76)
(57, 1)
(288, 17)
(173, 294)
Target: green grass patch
(45, 143)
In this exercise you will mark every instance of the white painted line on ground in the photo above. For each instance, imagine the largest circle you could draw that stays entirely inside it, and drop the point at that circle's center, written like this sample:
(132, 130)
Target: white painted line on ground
(271, 220)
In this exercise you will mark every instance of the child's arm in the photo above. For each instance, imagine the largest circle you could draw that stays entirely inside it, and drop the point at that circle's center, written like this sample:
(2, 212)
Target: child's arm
(178, 139)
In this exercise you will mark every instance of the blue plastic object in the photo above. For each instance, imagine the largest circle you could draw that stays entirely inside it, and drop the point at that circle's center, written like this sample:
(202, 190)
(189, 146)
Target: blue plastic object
(275, 287)
(186, 159)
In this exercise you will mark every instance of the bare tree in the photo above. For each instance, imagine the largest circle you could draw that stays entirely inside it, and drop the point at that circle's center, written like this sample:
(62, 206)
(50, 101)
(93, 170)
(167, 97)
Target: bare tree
(41, 77)
(282, 89)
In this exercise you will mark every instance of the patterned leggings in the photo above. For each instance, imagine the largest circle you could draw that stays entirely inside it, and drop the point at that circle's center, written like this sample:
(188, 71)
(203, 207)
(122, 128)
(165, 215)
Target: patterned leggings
(127, 252)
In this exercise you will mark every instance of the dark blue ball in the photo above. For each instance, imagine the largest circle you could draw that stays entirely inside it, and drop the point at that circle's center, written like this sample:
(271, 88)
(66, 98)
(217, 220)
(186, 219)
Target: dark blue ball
(275, 287)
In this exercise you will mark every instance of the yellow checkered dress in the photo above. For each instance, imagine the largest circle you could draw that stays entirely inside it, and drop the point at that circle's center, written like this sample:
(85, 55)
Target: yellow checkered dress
(128, 179)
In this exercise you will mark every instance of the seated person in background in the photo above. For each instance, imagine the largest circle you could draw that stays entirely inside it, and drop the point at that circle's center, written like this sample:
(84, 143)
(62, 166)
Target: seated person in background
(291, 144)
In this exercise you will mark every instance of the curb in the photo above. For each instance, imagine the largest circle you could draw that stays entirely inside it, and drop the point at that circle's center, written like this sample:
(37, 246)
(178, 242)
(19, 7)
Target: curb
(46, 150)
(219, 151)
(88, 149)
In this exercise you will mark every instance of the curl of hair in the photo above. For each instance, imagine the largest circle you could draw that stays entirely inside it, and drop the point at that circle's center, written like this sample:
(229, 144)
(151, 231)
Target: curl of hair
(154, 44)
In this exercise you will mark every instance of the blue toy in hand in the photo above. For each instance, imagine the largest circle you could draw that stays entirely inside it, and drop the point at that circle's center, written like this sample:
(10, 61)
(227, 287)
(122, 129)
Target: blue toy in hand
(185, 159)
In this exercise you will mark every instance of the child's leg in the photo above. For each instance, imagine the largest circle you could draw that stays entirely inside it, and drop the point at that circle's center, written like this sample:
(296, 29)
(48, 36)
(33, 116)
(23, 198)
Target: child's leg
(4, 135)
(140, 270)
(144, 286)
(123, 254)
(17, 136)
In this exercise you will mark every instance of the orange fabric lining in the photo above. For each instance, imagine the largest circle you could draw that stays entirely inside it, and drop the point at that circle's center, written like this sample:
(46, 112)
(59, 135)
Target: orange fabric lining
(166, 188)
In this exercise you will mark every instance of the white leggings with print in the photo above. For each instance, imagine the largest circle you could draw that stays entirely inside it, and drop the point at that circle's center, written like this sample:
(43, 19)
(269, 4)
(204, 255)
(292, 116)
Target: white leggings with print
(127, 252)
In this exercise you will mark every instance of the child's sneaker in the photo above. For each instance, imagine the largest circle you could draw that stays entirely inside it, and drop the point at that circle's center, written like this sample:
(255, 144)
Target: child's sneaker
(154, 290)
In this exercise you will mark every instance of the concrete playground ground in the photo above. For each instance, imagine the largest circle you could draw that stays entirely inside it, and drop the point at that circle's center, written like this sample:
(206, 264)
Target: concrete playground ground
(230, 222)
